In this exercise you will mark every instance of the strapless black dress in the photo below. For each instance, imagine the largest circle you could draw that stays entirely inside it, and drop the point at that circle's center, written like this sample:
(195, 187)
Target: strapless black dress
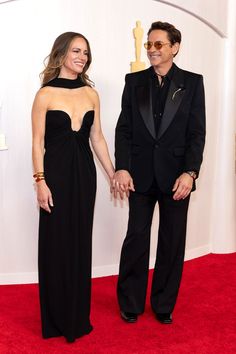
(65, 235)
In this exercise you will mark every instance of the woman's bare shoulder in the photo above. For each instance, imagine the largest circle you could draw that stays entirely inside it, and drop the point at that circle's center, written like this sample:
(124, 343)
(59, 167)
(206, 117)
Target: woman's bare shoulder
(43, 95)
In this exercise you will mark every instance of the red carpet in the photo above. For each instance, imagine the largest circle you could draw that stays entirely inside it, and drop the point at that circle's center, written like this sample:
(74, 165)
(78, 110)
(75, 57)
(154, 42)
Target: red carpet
(204, 318)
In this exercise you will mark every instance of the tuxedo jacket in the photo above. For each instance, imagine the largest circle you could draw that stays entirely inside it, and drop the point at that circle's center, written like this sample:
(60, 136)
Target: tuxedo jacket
(179, 144)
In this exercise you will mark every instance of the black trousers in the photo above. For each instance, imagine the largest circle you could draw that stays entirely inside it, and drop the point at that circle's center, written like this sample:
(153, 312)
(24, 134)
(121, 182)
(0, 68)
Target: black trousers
(134, 262)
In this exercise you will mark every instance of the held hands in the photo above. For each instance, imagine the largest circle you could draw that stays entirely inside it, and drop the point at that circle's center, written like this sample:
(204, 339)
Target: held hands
(44, 196)
(183, 186)
(121, 184)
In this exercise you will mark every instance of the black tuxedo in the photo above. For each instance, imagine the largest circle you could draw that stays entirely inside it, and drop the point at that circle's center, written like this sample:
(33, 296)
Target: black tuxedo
(155, 161)
(180, 141)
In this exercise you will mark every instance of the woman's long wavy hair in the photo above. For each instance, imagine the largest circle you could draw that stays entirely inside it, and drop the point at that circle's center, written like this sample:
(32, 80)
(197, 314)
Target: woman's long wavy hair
(57, 57)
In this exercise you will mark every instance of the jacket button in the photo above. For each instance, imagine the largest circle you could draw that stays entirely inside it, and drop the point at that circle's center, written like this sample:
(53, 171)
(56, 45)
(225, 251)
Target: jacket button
(157, 146)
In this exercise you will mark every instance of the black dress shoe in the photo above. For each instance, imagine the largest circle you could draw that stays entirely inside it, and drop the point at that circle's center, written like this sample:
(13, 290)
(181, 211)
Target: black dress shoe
(129, 316)
(165, 318)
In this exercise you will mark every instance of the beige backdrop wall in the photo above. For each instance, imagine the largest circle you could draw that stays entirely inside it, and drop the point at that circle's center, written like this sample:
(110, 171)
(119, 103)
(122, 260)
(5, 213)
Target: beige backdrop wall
(27, 31)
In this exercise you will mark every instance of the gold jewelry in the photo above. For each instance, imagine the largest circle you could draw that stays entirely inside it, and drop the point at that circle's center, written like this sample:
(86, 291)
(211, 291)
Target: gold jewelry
(39, 176)
(39, 179)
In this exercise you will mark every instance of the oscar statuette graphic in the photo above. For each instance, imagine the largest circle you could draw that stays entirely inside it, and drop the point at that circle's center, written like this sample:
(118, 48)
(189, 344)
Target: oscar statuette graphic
(137, 65)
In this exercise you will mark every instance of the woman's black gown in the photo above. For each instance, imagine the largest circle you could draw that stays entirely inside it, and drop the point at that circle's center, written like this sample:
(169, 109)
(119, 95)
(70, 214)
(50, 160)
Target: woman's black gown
(65, 235)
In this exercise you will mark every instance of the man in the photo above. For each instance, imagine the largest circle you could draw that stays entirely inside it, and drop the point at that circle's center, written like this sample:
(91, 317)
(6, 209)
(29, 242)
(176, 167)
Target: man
(159, 143)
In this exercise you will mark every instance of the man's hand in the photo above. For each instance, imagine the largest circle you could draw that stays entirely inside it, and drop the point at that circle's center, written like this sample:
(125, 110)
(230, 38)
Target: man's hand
(182, 187)
(122, 184)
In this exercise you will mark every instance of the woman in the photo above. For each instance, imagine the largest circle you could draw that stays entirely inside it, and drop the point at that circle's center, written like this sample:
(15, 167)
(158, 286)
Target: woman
(65, 115)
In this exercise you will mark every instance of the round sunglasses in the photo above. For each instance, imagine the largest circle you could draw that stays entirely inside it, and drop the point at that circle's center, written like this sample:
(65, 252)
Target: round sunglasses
(158, 45)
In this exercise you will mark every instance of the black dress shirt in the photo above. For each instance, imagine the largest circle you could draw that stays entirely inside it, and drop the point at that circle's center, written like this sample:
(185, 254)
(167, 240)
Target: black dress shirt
(159, 95)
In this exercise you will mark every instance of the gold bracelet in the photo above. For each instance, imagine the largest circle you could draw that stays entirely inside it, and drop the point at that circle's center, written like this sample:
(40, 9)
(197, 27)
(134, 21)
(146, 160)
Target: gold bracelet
(38, 179)
(38, 174)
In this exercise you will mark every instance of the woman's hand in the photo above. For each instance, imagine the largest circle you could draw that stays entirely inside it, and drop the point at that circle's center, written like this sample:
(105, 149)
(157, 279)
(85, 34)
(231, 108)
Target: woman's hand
(122, 184)
(44, 196)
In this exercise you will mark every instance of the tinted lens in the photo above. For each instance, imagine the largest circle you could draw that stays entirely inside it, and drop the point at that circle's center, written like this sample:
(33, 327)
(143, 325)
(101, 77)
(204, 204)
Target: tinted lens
(158, 45)
(148, 45)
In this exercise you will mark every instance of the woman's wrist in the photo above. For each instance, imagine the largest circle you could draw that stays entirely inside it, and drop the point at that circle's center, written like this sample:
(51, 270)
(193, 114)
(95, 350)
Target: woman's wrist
(38, 177)
(111, 174)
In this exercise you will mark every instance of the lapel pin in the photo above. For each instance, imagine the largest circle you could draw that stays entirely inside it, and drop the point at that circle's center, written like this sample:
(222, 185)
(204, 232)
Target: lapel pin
(181, 88)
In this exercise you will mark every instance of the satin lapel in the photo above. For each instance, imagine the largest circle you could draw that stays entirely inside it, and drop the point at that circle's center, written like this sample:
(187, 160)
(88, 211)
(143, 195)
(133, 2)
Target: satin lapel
(174, 98)
(144, 99)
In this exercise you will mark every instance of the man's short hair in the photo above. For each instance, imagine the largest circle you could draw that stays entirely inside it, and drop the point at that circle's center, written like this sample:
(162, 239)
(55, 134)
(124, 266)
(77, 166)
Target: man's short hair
(174, 35)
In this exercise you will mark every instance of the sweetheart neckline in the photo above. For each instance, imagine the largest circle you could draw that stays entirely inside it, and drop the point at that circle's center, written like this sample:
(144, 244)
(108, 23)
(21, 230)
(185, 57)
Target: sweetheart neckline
(69, 117)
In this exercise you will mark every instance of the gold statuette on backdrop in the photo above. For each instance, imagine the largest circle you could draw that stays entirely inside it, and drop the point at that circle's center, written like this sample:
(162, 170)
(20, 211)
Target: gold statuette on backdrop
(137, 65)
